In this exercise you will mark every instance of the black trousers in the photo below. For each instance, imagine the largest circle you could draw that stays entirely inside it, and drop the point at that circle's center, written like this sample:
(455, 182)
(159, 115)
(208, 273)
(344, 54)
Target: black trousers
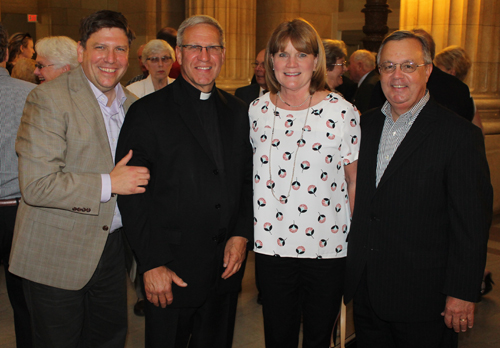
(211, 325)
(14, 283)
(92, 317)
(373, 332)
(294, 288)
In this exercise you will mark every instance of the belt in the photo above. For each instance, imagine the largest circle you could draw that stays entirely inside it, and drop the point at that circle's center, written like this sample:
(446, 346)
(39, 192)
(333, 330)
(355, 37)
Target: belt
(14, 202)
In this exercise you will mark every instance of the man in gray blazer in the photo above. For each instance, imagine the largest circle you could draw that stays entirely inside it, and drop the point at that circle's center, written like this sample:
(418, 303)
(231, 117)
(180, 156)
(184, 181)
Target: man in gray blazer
(67, 240)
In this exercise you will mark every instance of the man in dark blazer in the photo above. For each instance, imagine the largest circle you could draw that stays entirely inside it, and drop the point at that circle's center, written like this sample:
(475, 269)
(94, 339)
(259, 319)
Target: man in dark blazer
(417, 244)
(189, 230)
(362, 71)
(251, 92)
(446, 89)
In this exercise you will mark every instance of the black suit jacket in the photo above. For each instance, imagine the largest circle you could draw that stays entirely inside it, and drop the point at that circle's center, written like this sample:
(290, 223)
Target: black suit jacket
(177, 221)
(422, 233)
(446, 89)
(248, 93)
(364, 92)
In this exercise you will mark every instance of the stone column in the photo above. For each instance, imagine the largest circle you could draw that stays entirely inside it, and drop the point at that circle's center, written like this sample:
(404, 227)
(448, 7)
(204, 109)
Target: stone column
(375, 28)
(237, 18)
(473, 25)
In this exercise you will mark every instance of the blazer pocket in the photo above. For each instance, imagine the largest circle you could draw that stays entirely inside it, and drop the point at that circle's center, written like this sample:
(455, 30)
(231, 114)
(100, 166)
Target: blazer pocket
(53, 220)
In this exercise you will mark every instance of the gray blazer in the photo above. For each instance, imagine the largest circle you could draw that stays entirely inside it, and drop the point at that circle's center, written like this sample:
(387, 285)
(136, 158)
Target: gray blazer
(63, 148)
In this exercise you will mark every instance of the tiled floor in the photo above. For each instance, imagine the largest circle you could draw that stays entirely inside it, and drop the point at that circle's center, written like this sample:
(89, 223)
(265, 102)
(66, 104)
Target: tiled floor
(249, 331)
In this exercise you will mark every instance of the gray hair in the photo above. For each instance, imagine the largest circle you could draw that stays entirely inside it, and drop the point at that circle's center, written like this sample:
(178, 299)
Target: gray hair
(156, 46)
(403, 35)
(59, 50)
(199, 19)
(366, 57)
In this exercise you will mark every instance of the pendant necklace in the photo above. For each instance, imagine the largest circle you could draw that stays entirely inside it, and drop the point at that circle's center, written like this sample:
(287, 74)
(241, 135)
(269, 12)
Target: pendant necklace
(284, 198)
(294, 106)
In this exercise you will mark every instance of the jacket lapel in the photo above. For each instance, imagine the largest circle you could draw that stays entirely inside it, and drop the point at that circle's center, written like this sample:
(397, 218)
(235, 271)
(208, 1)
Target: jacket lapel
(415, 136)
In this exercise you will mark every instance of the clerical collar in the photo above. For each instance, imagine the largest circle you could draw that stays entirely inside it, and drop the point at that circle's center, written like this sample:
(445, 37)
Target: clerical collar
(194, 92)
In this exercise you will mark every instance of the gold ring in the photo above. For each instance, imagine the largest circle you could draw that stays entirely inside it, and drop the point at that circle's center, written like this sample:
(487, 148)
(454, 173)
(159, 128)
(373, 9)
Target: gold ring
(463, 319)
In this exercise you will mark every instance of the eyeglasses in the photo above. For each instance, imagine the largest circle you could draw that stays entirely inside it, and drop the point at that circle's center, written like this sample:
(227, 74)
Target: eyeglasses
(41, 66)
(260, 65)
(406, 67)
(155, 60)
(197, 49)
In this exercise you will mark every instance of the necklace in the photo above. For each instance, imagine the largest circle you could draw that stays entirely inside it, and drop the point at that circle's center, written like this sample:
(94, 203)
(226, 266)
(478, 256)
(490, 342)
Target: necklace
(284, 198)
(295, 106)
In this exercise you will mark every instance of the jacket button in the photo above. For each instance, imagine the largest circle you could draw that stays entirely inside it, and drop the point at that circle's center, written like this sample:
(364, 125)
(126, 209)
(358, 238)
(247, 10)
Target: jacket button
(74, 209)
(216, 172)
(105, 228)
(217, 206)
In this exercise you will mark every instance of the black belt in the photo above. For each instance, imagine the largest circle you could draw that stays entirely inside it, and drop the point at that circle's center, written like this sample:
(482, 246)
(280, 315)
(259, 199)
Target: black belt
(14, 202)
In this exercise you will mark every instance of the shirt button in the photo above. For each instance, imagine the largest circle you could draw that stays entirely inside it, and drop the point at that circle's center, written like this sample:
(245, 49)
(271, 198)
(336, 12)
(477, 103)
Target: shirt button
(105, 228)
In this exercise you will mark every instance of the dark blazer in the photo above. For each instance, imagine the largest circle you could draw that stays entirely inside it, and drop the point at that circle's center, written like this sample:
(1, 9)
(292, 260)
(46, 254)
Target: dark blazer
(446, 89)
(248, 93)
(177, 221)
(422, 233)
(364, 92)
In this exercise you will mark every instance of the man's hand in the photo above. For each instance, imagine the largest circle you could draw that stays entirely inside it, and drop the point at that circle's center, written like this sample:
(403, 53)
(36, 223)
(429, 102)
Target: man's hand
(458, 314)
(127, 180)
(234, 255)
(158, 285)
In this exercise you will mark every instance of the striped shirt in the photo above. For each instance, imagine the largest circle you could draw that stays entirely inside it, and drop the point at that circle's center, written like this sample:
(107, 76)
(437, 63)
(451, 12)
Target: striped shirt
(394, 132)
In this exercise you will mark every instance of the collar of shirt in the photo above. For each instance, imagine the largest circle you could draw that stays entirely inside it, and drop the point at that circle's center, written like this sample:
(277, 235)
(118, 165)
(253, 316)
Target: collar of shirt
(193, 92)
(102, 99)
(363, 78)
(408, 116)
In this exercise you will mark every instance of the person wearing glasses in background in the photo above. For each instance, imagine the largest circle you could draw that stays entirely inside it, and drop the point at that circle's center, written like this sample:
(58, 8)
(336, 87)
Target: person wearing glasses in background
(336, 65)
(157, 57)
(20, 45)
(419, 233)
(255, 90)
(189, 230)
(55, 55)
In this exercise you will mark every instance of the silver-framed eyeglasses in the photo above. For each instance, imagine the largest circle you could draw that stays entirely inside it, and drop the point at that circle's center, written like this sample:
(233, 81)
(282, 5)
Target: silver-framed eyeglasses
(344, 63)
(41, 66)
(198, 48)
(406, 67)
(155, 60)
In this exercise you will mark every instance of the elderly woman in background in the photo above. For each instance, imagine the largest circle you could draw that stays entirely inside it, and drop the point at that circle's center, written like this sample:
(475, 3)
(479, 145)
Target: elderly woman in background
(20, 45)
(336, 53)
(158, 57)
(24, 70)
(455, 61)
(55, 55)
(306, 142)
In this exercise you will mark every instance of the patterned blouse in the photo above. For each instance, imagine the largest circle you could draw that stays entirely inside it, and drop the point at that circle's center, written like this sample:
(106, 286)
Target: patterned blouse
(301, 205)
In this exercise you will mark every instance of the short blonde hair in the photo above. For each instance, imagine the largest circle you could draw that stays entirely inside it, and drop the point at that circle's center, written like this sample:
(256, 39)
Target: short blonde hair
(454, 58)
(305, 39)
(156, 46)
(58, 50)
(25, 70)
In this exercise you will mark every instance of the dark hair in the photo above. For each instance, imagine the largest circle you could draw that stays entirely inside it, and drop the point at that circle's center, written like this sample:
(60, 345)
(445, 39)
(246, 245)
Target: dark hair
(334, 49)
(104, 19)
(168, 34)
(4, 42)
(399, 35)
(305, 39)
(15, 42)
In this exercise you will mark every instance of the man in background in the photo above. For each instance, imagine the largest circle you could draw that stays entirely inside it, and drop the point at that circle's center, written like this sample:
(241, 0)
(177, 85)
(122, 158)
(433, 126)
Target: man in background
(253, 91)
(362, 70)
(13, 93)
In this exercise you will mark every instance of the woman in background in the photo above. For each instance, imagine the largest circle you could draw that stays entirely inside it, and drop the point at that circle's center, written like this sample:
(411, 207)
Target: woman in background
(336, 53)
(20, 45)
(55, 55)
(158, 57)
(24, 70)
